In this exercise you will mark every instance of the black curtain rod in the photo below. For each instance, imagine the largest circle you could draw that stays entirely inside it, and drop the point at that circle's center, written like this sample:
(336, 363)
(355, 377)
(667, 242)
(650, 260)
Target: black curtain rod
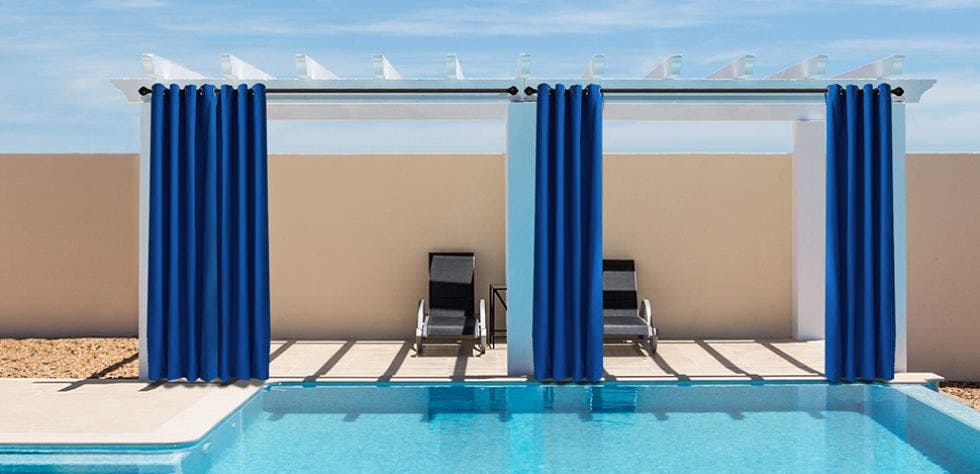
(898, 91)
(513, 90)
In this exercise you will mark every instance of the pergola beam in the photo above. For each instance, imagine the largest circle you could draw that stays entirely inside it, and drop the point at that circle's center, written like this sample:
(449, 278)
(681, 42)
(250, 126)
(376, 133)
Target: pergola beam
(383, 68)
(234, 68)
(669, 69)
(740, 68)
(884, 68)
(913, 88)
(307, 68)
(809, 68)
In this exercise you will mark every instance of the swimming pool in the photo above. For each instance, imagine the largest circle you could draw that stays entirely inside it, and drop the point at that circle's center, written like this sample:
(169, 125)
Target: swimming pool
(483, 427)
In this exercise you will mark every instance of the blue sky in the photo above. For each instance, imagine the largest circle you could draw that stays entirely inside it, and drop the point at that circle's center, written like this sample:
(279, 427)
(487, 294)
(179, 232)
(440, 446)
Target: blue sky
(57, 58)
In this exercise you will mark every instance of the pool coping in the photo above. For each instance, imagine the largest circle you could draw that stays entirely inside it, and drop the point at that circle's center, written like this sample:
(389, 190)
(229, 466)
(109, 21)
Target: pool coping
(943, 403)
(194, 420)
(192, 424)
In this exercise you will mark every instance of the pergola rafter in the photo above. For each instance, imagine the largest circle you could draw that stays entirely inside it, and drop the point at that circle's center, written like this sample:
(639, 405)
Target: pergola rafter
(810, 73)
(383, 68)
(234, 68)
(595, 68)
(310, 70)
(161, 68)
(669, 69)
(740, 68)
(884, 68)
(810, 68)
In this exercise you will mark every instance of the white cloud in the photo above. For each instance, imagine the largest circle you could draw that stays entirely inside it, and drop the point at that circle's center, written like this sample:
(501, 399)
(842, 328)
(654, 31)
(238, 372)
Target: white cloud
(509, 19)
(924, 4)
(61, 60)
(910, 44)
(254, 27)
(128, 4)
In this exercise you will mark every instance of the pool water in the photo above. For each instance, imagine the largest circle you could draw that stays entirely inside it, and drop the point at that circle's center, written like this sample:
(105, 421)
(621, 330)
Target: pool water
(614, 427)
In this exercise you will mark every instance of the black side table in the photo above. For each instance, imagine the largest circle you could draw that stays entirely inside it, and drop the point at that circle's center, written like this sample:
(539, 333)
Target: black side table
(496, 292)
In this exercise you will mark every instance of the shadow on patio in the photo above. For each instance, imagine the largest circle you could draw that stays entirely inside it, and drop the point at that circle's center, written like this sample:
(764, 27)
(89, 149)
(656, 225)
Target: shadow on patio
(682, 360)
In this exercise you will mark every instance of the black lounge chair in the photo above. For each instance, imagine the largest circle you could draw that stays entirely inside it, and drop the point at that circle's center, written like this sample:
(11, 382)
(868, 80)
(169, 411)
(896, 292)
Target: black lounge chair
(623, 317)
(451, 290)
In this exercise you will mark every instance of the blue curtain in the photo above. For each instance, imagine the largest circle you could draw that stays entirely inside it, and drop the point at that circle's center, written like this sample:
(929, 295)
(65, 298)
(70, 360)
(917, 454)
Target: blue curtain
(208, 305)
(860, 299)
(567, 320)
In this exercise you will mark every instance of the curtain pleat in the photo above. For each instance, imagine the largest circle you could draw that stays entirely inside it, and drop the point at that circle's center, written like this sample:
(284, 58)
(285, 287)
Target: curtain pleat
(860, 272)
(567, 319)
(208, 306)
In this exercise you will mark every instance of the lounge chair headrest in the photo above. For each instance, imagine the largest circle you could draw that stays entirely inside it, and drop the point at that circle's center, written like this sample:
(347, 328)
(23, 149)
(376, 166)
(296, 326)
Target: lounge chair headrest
(451, 268)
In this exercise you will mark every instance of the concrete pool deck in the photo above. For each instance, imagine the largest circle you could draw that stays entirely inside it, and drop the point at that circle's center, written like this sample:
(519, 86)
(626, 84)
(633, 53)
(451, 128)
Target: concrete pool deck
(91, 411)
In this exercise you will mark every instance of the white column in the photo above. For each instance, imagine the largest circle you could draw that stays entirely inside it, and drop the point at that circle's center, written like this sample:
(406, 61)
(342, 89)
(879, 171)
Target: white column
(809, 228)
(521, 118)
(898, 206)
(144, 231)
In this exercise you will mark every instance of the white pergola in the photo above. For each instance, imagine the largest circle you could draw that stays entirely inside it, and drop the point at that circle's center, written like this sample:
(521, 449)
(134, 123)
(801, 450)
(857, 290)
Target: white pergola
(731, 93)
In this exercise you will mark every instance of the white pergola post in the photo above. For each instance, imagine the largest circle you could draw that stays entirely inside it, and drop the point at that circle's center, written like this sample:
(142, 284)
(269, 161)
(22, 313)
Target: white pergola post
(809, 227)
(143, 215)
(901, 268)
(810, 224)
(521, 136)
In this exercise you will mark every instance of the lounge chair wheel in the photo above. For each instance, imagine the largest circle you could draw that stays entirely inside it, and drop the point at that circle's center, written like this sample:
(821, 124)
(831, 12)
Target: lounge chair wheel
(418, 346)
(653, 345)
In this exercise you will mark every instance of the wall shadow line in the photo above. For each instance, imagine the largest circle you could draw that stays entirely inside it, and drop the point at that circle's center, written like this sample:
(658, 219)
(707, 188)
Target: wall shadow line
(397, 362)
(331, 362)
(102, 373)
(792, 360)
(728, 364)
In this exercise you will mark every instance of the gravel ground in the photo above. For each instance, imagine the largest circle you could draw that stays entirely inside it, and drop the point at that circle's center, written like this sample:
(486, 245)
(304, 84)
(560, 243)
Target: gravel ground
(968, 391)
(116, 358)
(101, 358)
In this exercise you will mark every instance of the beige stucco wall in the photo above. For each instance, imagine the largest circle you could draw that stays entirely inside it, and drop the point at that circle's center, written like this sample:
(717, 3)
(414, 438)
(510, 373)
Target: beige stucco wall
(710, 233)
(350, 236)
(711, 236)
(944, 264)
(68, 242)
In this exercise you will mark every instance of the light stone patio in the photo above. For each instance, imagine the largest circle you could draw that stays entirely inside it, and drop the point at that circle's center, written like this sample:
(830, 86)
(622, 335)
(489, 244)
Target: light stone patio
(89, 411)
(680, 360)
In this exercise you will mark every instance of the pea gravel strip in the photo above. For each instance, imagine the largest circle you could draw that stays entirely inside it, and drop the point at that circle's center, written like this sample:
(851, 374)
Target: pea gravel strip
(74, 358)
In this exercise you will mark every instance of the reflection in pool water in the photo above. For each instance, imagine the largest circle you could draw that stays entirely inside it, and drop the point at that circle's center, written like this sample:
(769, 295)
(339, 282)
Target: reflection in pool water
(610, 427)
